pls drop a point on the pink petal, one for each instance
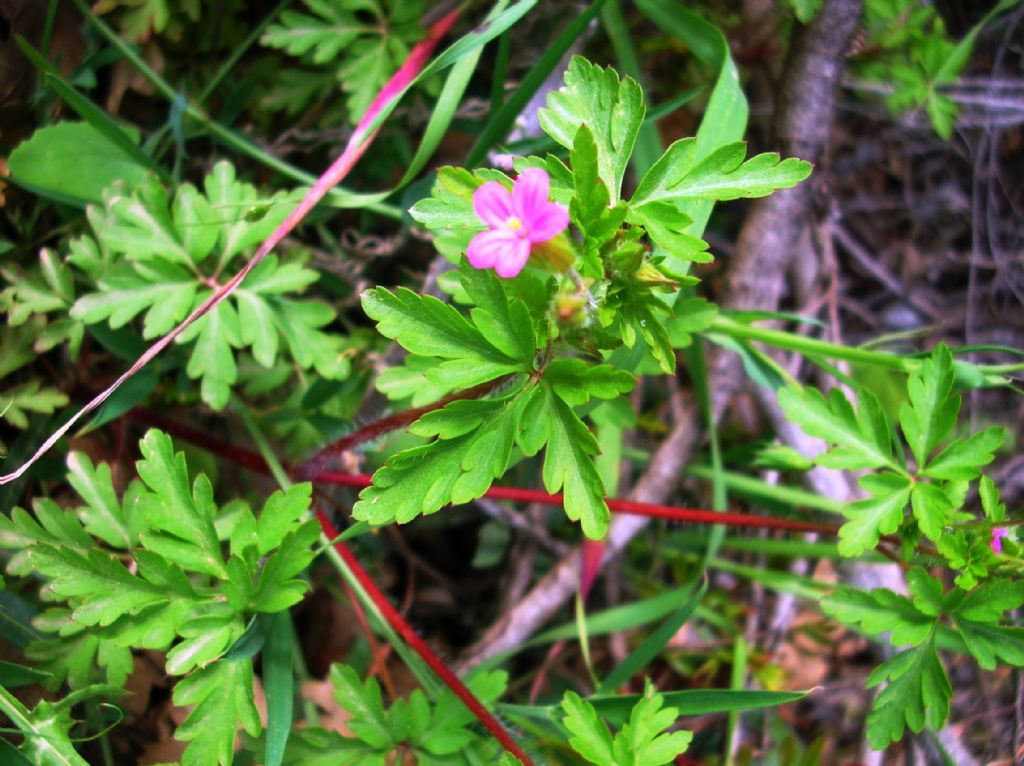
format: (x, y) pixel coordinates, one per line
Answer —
(512, 258)
(998, 533)
(493, 204)
(530, 195)
(489, 247)
(549, 222)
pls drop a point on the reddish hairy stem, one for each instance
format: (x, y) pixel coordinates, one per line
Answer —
(254, 462)
(378, 664)
(425, 652)
(669, 512)
(314, 465)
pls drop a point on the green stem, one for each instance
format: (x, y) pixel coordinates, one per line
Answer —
(42, 747)
(751, 486)
(732, 328)
(810, 346)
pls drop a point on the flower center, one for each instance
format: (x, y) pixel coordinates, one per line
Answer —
(514, 223)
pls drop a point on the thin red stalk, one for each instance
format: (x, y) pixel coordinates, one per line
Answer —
(314, 465)
(419, 645)
(253, 461)
(542, 673)
(377, 665)
(354, 149)
(669, 512)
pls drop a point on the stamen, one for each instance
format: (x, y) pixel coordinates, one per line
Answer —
(514, 223)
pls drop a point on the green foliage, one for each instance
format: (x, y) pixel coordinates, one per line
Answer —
(612, 109)
(363, 41)
(43, 159)
(434, 733)
(934, 486)
(642, 741)
(138, 20)
(473, 440)
(537, 329)
(918, 690)
(160, 259)
(29, 397)
(182, 595)
(909, 52)
(804, 10)
(47, 728)
(678, 175)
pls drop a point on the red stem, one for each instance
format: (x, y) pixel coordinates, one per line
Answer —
(420, 647)
(314, 465)
(254, 462)
(670, 512)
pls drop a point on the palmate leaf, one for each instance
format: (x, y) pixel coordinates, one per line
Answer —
(428, 327)
(505, 323)
(863, 438)
(474, 446)
(642, 741)
(222, 694)
(678, 177)
(880, 514)
(570, 448)
(165, 258)
(590, 735)
(102, 515)
(365, 41)
(106, 589)
(612, 109)
(882, 610)
(182, 516)
(29, 397)
(932, 409)
(964, 458)
(917, 694)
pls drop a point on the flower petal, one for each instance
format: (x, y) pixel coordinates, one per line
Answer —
(493, 204)
(488, 247)
(512, 258)
(549, 222)
(530, 195)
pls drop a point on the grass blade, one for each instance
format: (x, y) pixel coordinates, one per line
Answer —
(279, 683)
(649, 649)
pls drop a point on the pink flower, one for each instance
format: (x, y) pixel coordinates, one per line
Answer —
(517, 221)
(998, 533)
